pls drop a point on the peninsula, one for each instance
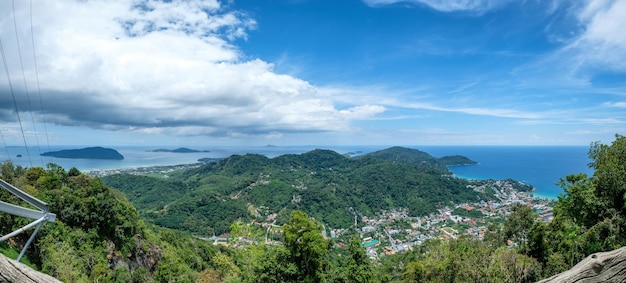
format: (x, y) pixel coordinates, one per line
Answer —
(87, 153)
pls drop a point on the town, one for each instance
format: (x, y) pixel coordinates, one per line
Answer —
(394, 231)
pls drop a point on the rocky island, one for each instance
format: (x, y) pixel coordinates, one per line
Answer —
(87, 153)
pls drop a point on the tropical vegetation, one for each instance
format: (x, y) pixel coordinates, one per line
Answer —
(100, 237)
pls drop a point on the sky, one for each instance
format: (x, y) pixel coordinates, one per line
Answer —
(312, 72)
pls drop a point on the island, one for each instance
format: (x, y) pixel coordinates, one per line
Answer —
(87, 153)
(178, 150)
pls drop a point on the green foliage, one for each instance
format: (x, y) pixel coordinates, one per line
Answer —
(519, 224)
(579, 202)
(98, 236)
(407, 156)
(306, 245)
(323, 183)
(609, 164)
(474, 214)
(359, 268)
(275, 266)
(465, 260)
(147, 193)
(250, 245)
(519, 186)
(589, 216)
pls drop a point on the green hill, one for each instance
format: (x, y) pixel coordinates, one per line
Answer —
(97, 235)
(329, 186)
(410, 156)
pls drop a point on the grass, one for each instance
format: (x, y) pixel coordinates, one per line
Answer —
(12, 253)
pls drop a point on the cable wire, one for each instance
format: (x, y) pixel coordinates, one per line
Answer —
(30, 109)
(5, 147)
(43, 117)
(6, 68)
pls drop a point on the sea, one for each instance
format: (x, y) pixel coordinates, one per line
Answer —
(539, 166)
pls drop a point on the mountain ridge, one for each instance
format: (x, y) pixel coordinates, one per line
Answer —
(330, 186)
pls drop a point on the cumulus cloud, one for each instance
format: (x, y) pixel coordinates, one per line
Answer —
(159, 67)
(478, 6)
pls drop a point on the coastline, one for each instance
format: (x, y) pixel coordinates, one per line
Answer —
(539, 192)
(162, 170)
(539, 166)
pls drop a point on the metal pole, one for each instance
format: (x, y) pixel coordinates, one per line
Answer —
(25, 212)
(30, 240)
(19, 231)
(24, 196)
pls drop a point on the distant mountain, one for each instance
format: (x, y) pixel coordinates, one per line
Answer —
(86, 153)
(402, 155)
(456, 160)
(178, 150)
(327, 185)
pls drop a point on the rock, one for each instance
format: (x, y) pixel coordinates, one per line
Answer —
(13, 271)
(599, 267)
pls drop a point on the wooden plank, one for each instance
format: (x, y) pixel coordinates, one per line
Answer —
(599, 267)
(13, 271)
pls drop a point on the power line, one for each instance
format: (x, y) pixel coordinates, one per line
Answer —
(43, 117)
(5, 146)
(6, 68)
(30, 109)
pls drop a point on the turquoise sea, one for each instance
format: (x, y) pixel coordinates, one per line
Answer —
(540, 166)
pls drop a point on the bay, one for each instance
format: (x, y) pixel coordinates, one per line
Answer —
(539, 166)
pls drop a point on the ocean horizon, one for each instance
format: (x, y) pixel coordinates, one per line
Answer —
(539, 166)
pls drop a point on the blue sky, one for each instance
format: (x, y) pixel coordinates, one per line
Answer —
(293, 72)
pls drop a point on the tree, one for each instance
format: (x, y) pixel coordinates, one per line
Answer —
(359, 267)
(276, 266)
(538, 246)
(250, 245)
(589, 215)
(225, 265)
(307, 247)
(518, 225)
(579, 201)
(609, 164)
(510, 266)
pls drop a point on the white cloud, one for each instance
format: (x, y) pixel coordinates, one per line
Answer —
(620, 104)
(494, 112)
(603, 43)
(163, 67)
(478, 6)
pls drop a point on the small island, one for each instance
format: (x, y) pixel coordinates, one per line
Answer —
(87, 153)
(178, 150)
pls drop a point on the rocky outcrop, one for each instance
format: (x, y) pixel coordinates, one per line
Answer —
(146, 255)
(599, 267)
(13, 271)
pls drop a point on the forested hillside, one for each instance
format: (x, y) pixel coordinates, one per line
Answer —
(99, 237)
(328, 186)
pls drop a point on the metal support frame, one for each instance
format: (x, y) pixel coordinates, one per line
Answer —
(41, 216)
